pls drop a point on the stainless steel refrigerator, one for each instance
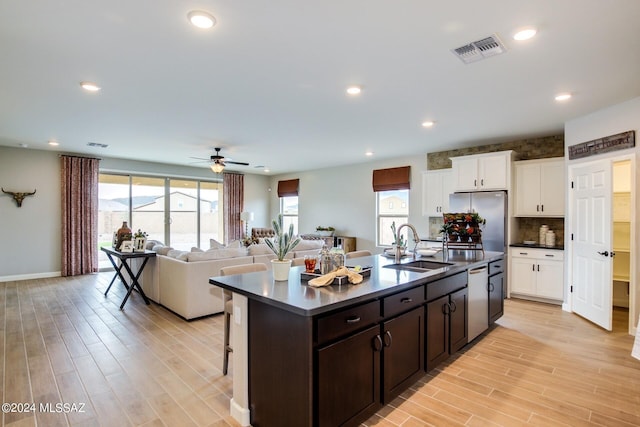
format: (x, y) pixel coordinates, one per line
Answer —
(490, 205)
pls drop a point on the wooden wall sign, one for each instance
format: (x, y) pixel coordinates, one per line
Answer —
(607, 144)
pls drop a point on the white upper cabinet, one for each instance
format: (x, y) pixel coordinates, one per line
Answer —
(436, 187)
(540, 188)
(480, 172)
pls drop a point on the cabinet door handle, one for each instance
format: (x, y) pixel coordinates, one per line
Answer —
(482, 182)
(524, 253)
(533, 267)
(538, 267)
(537, 208)
(377, 343)
(388, 339)
(475, 182)
(446, 308)
(353, 319)
(406, 300)
(541, 208)
(491, 288)
(455, 307)
(549, 255)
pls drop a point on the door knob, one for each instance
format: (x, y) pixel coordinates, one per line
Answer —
(605, 253)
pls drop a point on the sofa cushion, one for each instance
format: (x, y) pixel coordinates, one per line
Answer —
(161, 249)
(151, 243)
(216, 254)
(177, 254)
(194, 249)
(306, 245)
(259, 249)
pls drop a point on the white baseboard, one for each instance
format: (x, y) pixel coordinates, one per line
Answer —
(240, 414)
(30, 276)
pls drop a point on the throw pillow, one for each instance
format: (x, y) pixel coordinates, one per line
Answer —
(259, 249)
(194, 249)
(162, 250)
(214, 244)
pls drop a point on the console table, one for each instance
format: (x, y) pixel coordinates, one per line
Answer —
(112, 254)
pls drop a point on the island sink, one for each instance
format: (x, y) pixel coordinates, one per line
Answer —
(418, 266)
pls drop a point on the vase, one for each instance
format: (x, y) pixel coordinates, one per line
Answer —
(123, 233)
(281, 269)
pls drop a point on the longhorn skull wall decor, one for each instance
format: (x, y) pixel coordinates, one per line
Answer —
(18, 197)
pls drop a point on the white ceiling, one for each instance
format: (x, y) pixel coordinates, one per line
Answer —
(267, 83)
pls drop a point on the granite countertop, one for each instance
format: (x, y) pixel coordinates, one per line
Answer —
(296, 296)
(537, 246)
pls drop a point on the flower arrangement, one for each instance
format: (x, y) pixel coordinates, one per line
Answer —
(140, 234)
(465, 226)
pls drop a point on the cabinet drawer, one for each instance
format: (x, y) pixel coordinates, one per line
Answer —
(402, 301)
(348, 320)
(446, 286)
(496, 267)
(534, 253)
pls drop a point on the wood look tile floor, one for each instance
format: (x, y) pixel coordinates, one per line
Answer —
(64, 342)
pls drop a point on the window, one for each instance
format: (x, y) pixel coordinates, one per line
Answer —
(289, 211)
(178, 212)
(392, 206)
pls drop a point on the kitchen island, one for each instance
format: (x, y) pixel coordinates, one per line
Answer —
(331, 356)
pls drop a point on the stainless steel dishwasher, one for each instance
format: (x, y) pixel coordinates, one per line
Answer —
(478, 301)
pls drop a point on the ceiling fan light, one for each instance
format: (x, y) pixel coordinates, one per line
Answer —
(217, 167)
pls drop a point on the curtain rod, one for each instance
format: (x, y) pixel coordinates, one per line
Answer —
(79, 157)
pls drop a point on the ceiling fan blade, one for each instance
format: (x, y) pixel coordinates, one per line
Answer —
(200, 158)
(236, 163)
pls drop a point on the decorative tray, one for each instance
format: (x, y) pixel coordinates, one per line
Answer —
(339, 280)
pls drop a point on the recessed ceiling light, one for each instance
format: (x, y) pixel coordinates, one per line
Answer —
(266, 170)
(525, 34)
(563, 96)
(369, 153)
(53, 143)
(354, 90)
(201, 19)
(90, 86)
(428, 123)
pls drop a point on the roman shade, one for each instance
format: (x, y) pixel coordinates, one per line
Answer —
(288, 188)
(392, 179)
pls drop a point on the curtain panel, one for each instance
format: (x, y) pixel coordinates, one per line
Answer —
(79, 215)
(392, 179)
(233, 202)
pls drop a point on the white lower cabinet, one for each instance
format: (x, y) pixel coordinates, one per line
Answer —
(537, 272)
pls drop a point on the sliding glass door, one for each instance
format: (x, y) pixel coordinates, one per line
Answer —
(181, 213)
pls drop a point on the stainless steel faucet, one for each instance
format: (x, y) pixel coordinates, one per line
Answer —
(416, 239)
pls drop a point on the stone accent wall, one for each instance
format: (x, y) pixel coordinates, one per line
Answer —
(524, 149)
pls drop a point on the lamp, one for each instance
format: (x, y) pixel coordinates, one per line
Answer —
(217, 167)
(246, 217)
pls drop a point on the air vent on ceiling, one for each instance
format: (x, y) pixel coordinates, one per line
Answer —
(481, 49)
(97, 144)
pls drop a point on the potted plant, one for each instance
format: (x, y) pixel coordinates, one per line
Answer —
(325, 231)
(281, 244)
(398, 241)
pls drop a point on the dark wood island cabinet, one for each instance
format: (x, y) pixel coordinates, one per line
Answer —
(333, 356)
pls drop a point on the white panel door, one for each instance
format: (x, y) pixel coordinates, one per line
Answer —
(592, 245)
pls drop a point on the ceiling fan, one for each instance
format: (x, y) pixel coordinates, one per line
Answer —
(218, 162)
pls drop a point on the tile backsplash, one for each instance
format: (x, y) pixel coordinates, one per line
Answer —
(528, 229)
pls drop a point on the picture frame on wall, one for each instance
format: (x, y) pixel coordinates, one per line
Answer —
(127, 246)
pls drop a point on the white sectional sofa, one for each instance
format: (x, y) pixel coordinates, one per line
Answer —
(179, 280)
